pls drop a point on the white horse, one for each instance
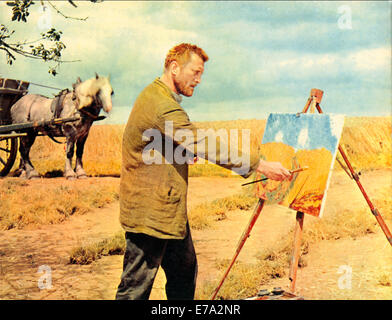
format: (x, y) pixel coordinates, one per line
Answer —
(86, 100)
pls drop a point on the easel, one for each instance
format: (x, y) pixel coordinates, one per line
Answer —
(313, 103)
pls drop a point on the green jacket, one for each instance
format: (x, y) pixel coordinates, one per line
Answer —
(153, 197)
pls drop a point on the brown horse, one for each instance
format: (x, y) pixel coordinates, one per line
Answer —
(86, 100)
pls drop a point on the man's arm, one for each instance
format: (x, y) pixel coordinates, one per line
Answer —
(180, 121)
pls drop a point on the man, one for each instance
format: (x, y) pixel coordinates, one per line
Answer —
(153, 195)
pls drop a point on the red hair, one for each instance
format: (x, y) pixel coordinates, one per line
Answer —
(182, 53)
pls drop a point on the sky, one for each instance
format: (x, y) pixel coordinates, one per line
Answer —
(264, 56)
(307, 132)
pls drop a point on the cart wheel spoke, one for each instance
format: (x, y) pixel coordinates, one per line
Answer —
(5, 150)
(8, 150)
(2, 161)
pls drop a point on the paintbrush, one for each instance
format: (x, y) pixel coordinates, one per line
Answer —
(291, 172)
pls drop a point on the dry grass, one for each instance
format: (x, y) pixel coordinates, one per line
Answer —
(245, 279)
(43, 202)
(89, 253)
(200, 217)
(102, 152)
(385, 279)
(210, 170)
(367, 142)
(103, 147)
(205, 214)
(348, 223)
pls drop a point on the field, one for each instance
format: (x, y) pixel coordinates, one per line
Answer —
(366, 141)
(73, 228)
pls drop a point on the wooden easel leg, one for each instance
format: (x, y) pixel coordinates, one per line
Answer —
(245, 235)
(296, 250)
(373, 209)
(355, 176)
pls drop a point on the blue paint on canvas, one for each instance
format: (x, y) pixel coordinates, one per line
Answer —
(306, 131)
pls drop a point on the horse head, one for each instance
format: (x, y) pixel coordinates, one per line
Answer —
(98, 90)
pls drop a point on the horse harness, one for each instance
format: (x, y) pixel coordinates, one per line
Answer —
(58, 103)
(57, 107)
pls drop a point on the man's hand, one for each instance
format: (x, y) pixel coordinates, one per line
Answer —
(273, 170)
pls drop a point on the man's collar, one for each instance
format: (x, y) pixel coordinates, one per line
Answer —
(175, 96)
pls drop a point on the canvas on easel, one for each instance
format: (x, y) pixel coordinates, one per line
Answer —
(298, 141)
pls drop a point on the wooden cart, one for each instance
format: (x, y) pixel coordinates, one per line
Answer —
(11, 91)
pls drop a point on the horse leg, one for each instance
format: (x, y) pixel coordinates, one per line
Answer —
(70, 134)
(81, 174)
(26, 167)
(21, 171)
(69, 173)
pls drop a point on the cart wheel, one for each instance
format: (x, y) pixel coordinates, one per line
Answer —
(8, 151)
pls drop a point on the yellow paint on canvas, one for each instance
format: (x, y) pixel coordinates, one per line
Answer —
(304, 192)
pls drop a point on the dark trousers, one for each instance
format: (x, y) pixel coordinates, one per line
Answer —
(143, 256)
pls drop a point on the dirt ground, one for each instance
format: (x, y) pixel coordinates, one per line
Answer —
(26, 255)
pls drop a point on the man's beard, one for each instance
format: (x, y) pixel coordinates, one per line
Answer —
(182, 89)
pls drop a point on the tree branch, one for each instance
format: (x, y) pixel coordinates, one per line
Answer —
(38, 49)
(9, 53)
(66, 17)
(71, 2)
(25, 42)
(4, 46)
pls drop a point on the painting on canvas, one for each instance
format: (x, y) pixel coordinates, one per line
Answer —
(298, 141)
